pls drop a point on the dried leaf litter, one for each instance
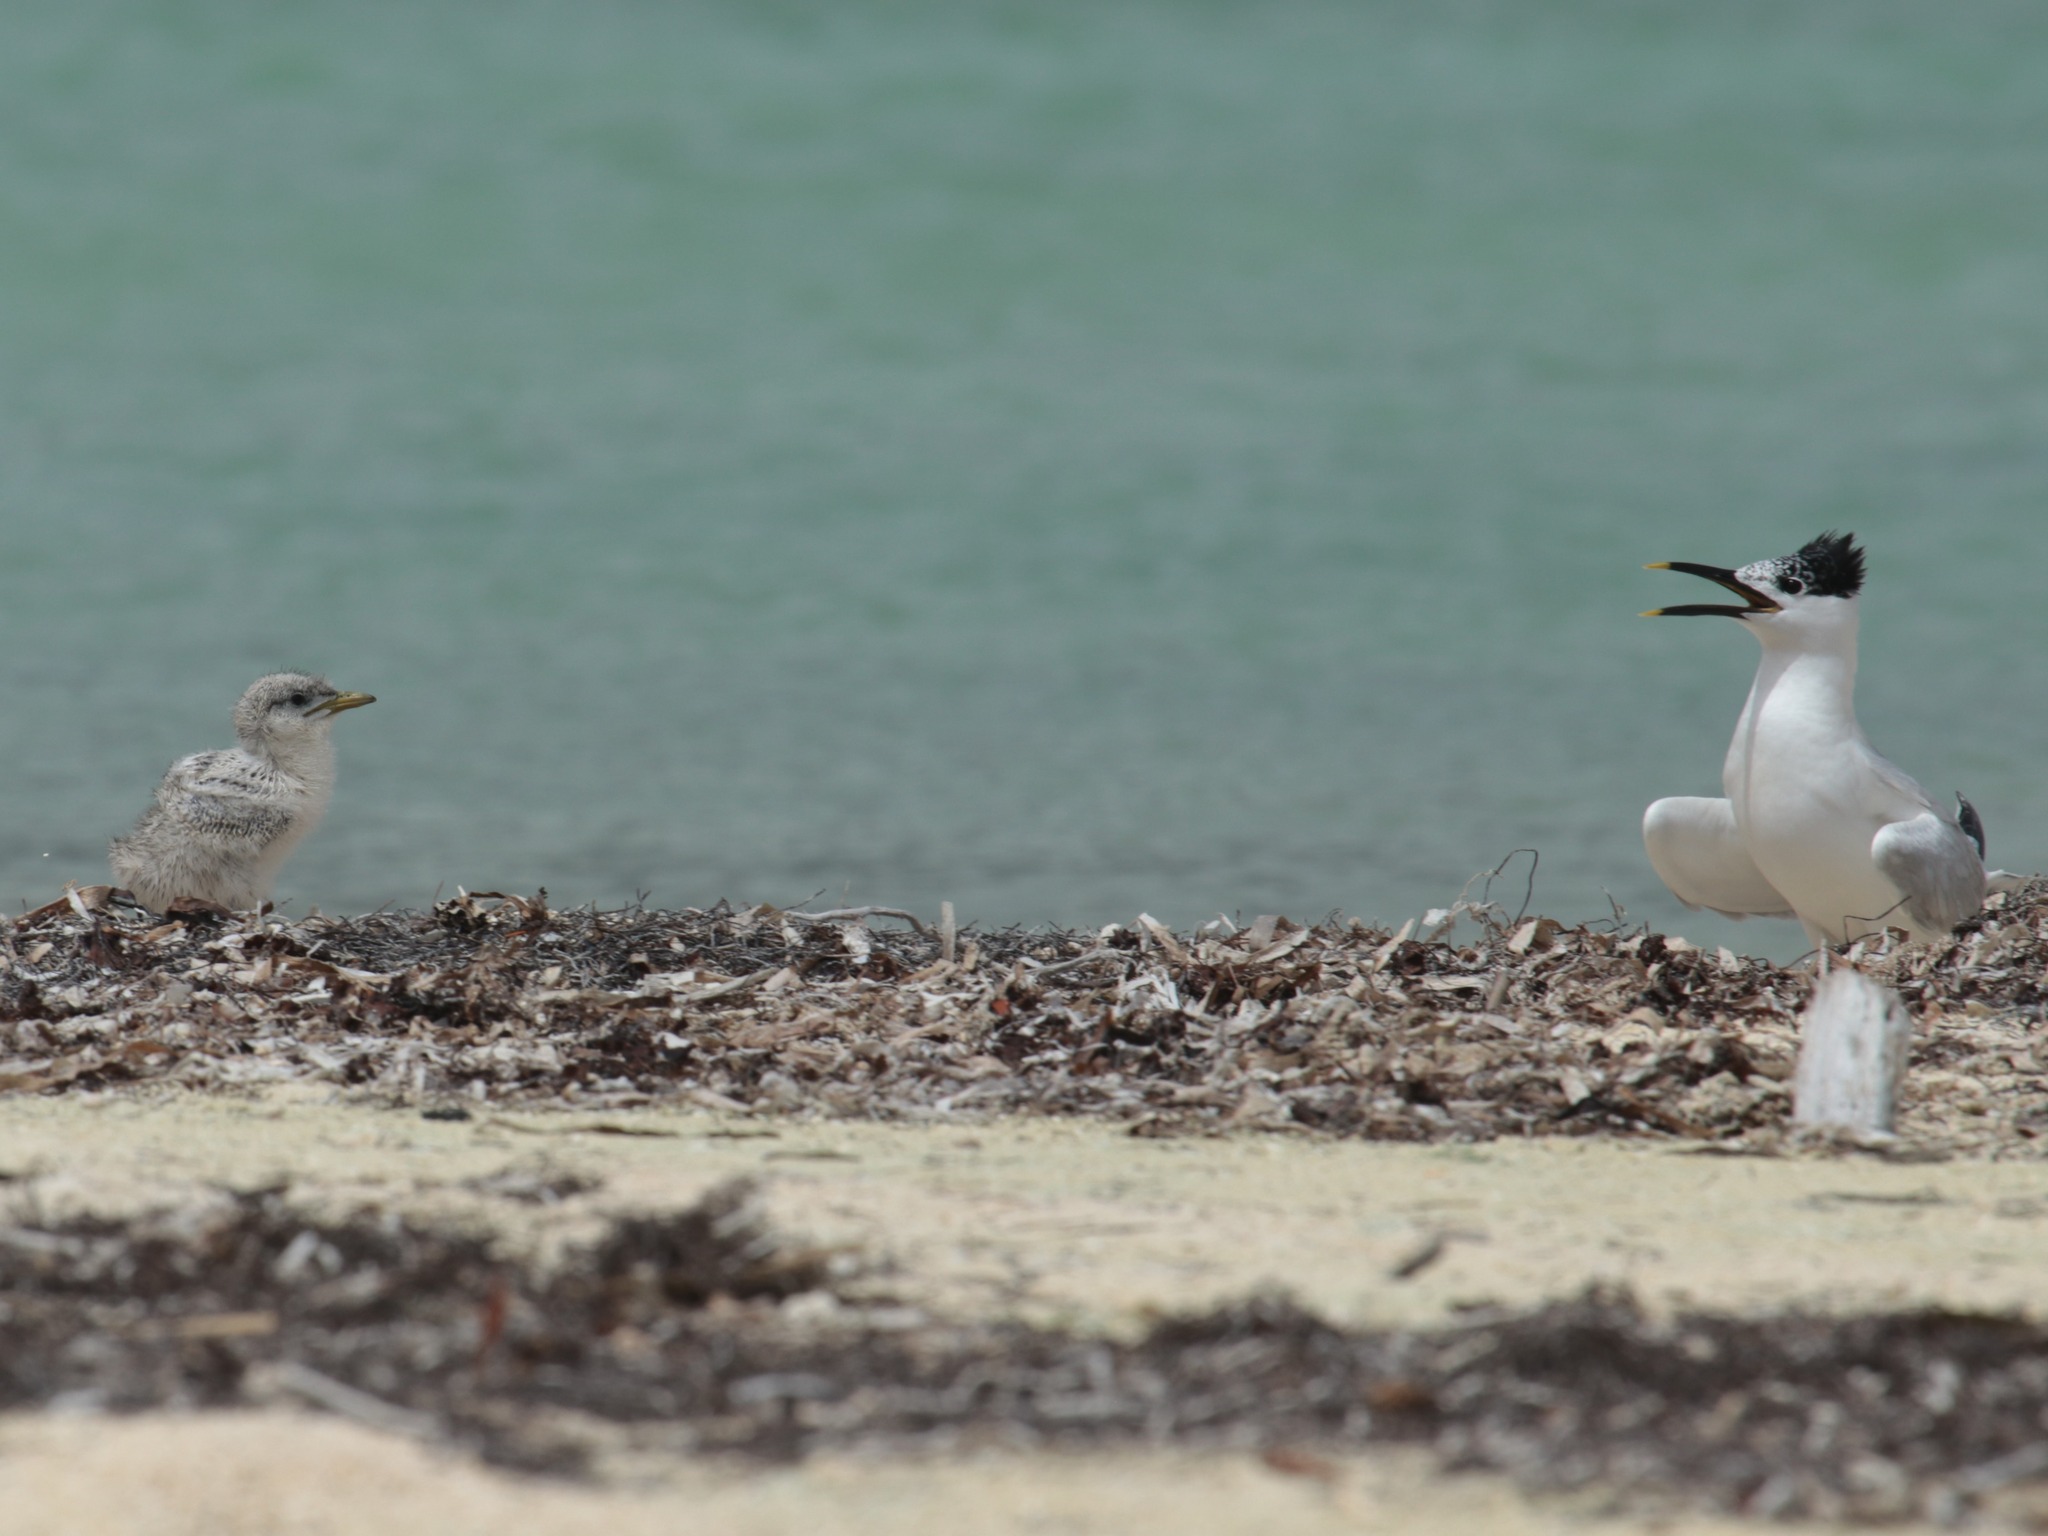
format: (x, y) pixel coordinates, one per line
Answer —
(698, 1332)
(1496, 1027)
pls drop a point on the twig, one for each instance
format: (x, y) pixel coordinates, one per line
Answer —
(853, 914)
(726, 988)
(352, 1402)
(1619, 920)
(1424, 1256)
(1058, 967)
(1528, 892)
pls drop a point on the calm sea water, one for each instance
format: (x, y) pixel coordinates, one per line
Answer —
(1066, 457)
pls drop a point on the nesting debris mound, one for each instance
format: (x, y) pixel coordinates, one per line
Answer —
(1519, 1027)
(699, 1332)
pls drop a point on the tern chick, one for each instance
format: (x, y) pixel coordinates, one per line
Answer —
(1815, 825)
(225, 822)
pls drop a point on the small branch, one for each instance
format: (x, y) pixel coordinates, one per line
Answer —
(1058, 967)
(351, 1402)
(727, 988)
(857, 914)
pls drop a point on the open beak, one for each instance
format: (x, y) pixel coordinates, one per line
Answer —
(1755, 602)
(341, 701)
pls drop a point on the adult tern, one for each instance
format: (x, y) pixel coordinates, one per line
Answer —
(1815, 824)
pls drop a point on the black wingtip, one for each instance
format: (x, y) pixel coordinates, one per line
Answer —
(1971, 823)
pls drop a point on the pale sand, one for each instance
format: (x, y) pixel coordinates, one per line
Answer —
(283, 1474)
(1079, 1224)
(1060, 1222)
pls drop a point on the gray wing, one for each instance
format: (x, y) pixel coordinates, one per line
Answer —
(1935, 866)
(1695, 849)
(1895, 776)
(222, 794)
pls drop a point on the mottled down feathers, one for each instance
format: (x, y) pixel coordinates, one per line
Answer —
(224, 822)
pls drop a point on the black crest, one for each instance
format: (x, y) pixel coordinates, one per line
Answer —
(1830, 566)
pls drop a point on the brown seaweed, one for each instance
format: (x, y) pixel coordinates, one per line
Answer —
(1495, 1028)
(701, 1332)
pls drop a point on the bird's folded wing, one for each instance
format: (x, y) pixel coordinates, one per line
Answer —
(1911, 798)
(1695, 849)
(1935, 867)
(214, 792)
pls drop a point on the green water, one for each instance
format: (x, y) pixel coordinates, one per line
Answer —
(1065, 457)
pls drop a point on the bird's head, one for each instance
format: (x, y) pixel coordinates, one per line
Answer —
(1804, 598)
(286, 708)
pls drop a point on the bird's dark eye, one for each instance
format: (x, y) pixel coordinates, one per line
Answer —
(1793, 585)
(299, 701)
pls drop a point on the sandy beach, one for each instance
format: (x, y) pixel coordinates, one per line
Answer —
(278, 1162)
(1070, 1224)
(246, 1474)
(1062, 1224)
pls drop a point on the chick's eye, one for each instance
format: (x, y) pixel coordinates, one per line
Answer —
(299, 701)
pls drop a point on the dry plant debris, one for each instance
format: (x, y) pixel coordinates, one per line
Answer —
(699, 1332)
(1492, 1027)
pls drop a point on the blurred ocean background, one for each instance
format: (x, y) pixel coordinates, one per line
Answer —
(1067, 457)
